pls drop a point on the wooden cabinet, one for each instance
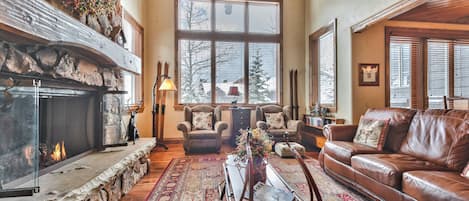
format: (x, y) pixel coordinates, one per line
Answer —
(312, 137)
(240, 119)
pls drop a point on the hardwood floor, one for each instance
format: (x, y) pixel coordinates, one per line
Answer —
(159, 161)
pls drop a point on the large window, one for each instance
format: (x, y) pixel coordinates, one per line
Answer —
(223, 44)
(425, 66)
(323, 67)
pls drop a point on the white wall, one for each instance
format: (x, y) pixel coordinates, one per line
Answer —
(135, 8)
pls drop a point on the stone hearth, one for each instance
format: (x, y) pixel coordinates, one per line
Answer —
(99, 176)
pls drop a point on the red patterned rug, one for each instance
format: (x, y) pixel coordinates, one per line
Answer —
(196, 178)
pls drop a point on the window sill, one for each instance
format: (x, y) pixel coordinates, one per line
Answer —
(138, 108)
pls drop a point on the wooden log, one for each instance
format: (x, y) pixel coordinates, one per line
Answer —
(38, 21)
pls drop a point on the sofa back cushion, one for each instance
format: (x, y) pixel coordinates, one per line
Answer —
(399, 121)
(439, 136)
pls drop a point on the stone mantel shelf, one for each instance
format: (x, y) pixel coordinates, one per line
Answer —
(39, 22)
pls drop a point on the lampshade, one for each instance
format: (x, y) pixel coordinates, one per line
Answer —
(167, 85)
(233, 91)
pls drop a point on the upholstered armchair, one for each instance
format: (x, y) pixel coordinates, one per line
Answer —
(292, 127)
(205, 138)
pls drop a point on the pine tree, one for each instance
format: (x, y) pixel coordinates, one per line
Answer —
(258, 92)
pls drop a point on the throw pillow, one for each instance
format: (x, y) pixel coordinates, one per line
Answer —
(202, 120)
(275, 120)
(465, 172)
(372, 132)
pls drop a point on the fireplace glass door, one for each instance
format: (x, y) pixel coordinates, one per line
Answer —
(19, 101)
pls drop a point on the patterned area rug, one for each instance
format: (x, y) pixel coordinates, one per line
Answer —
(196, 178)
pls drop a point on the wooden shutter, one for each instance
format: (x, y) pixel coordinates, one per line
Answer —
(438, 62)
(461, 69)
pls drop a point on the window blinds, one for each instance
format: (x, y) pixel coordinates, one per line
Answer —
(437, 72)
(400, 61)
(461, 68)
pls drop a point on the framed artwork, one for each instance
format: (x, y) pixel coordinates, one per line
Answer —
(368, 75)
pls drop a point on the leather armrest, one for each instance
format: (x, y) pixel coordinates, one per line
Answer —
(185, 127)
(220, 126)
(262, 125)
(340, 132)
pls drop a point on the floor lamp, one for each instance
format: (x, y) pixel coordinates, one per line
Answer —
(166, 85)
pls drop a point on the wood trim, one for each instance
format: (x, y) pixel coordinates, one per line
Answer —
(428, 33)
(388, 13)
(420, 74)
(387, 73)
(451, 70)
(245, 37)
(314, 65)
(280, 74)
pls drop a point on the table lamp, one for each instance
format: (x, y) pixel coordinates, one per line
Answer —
(233, 92)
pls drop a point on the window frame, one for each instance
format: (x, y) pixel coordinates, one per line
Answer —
(419, 66)
(137, 27)
(219, 36)
(314, 52)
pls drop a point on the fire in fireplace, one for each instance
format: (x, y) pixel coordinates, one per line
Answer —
(51, 156)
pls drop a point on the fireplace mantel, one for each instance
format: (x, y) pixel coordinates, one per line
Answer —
(36, 21)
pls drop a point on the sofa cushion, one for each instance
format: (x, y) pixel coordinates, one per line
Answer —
(388, 168)
(435, 185)
(371, 132)
(202, 120)
(275, 120)
(203, 134)
(439, 136)
(343, 151)
(399, 121)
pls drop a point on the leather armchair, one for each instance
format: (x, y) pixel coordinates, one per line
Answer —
(293, 127)
(202, 139)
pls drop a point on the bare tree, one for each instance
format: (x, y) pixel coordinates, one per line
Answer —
(196, 55)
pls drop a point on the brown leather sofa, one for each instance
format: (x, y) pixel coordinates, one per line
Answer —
(423, 156)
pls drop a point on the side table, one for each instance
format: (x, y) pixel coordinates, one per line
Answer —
(240, 119)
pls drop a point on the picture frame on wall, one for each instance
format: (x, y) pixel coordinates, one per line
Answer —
(368, 74)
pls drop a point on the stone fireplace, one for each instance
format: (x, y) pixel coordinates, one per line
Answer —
(61, 105)
(79, 107)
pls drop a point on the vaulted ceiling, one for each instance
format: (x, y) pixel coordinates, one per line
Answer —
(440, 11)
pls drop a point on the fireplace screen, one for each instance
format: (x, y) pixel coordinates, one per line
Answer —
(18, 136)
(67, 124)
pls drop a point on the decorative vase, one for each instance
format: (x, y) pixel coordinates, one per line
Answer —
(260, 174)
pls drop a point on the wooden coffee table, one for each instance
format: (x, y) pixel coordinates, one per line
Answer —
(232, 186)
